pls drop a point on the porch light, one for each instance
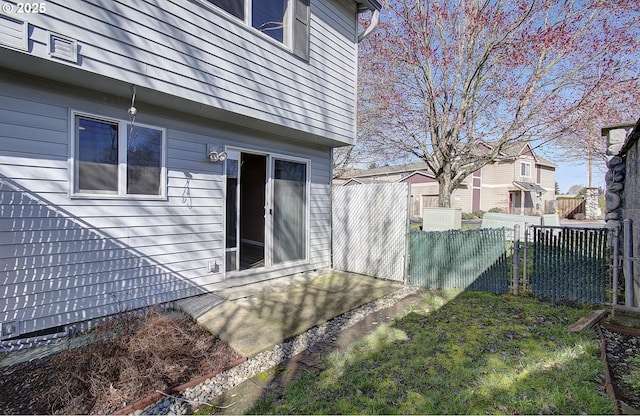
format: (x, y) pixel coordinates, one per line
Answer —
(216, 154)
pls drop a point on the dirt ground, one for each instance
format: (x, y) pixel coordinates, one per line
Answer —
(155, 352)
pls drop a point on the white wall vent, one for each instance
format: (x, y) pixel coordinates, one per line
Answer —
(14, 33)
(62, 47)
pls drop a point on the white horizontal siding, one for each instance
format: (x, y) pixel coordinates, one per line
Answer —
(66, 259)
(185, 49)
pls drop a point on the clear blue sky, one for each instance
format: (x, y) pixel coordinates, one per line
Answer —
(575, 173)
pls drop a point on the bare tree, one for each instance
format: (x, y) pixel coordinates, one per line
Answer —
(620, 103)
(457, 82)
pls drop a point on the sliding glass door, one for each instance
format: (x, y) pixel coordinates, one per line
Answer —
(289, 221)
(266, 219)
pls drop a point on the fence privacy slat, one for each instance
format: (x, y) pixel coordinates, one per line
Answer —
(570, 266)
(472, 259)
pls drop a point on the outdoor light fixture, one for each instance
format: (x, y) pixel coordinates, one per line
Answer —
(216, 154)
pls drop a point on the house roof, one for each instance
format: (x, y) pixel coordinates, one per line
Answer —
(418, 173)
(369, 4)
(516, 149)
(361, 181)
(511, 151)
(385, 170)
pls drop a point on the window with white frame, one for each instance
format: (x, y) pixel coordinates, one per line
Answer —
(286, 21)
(113, 158)
(525, 170)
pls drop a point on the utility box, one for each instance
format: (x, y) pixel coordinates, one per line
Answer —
(551, 219)
(441, 219)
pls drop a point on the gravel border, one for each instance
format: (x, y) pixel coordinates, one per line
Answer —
(184, 402)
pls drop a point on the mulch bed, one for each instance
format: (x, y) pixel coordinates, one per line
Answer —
(131, 358)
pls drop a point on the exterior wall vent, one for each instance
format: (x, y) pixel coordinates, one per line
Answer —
(14, 33)
(8, 329)
(62, 47)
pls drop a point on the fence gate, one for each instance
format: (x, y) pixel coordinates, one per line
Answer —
(570, 264)
(370, 229)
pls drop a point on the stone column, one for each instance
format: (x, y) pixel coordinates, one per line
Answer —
(614, 180)
(592, 209)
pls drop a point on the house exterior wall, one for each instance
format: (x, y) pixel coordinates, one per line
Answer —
(67, 259)
(496, 196)
(498, 173)
(187, 56)
(548, 182)
(462, 198)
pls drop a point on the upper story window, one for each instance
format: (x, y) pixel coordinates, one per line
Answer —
(111, 159)
(525, 170)
(286, 21)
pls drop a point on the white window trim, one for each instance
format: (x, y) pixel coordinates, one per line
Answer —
(287, 41)
(74, 193)
(522, 164)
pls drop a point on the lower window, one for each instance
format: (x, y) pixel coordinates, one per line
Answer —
(116, 158)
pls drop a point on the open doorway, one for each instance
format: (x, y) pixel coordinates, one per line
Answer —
(253, 174)
(245, 211)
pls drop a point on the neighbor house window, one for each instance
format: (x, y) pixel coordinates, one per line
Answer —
(286, 21)
(113, 158)
(525, 170)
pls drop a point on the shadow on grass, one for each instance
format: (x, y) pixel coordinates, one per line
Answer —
(479, 353)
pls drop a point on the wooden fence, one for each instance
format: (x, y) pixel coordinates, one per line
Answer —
(569, 208)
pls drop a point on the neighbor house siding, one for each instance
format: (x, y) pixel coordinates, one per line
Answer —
(498, 173)
(183, 48)
(66, 259)
(495, 197)
(462, 198)
(548, 180)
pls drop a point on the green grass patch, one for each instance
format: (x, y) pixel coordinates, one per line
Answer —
(633, 377)
(460, 353)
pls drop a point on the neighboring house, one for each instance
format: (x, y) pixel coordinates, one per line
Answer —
(519, 182)
(156, 150)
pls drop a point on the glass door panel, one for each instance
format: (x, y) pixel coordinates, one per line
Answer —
(289, 220)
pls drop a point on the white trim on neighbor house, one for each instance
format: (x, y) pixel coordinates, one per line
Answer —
(122, 146)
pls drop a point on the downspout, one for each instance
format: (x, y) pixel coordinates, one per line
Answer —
(375, 18)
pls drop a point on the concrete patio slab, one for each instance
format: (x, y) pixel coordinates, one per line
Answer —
(270, 314)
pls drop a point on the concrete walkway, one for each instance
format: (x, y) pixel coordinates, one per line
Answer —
(256, 317)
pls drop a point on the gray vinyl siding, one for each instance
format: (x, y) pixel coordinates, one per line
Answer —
(64, 260)
(185, 49)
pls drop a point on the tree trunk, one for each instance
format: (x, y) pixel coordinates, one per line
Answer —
(445, 190)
